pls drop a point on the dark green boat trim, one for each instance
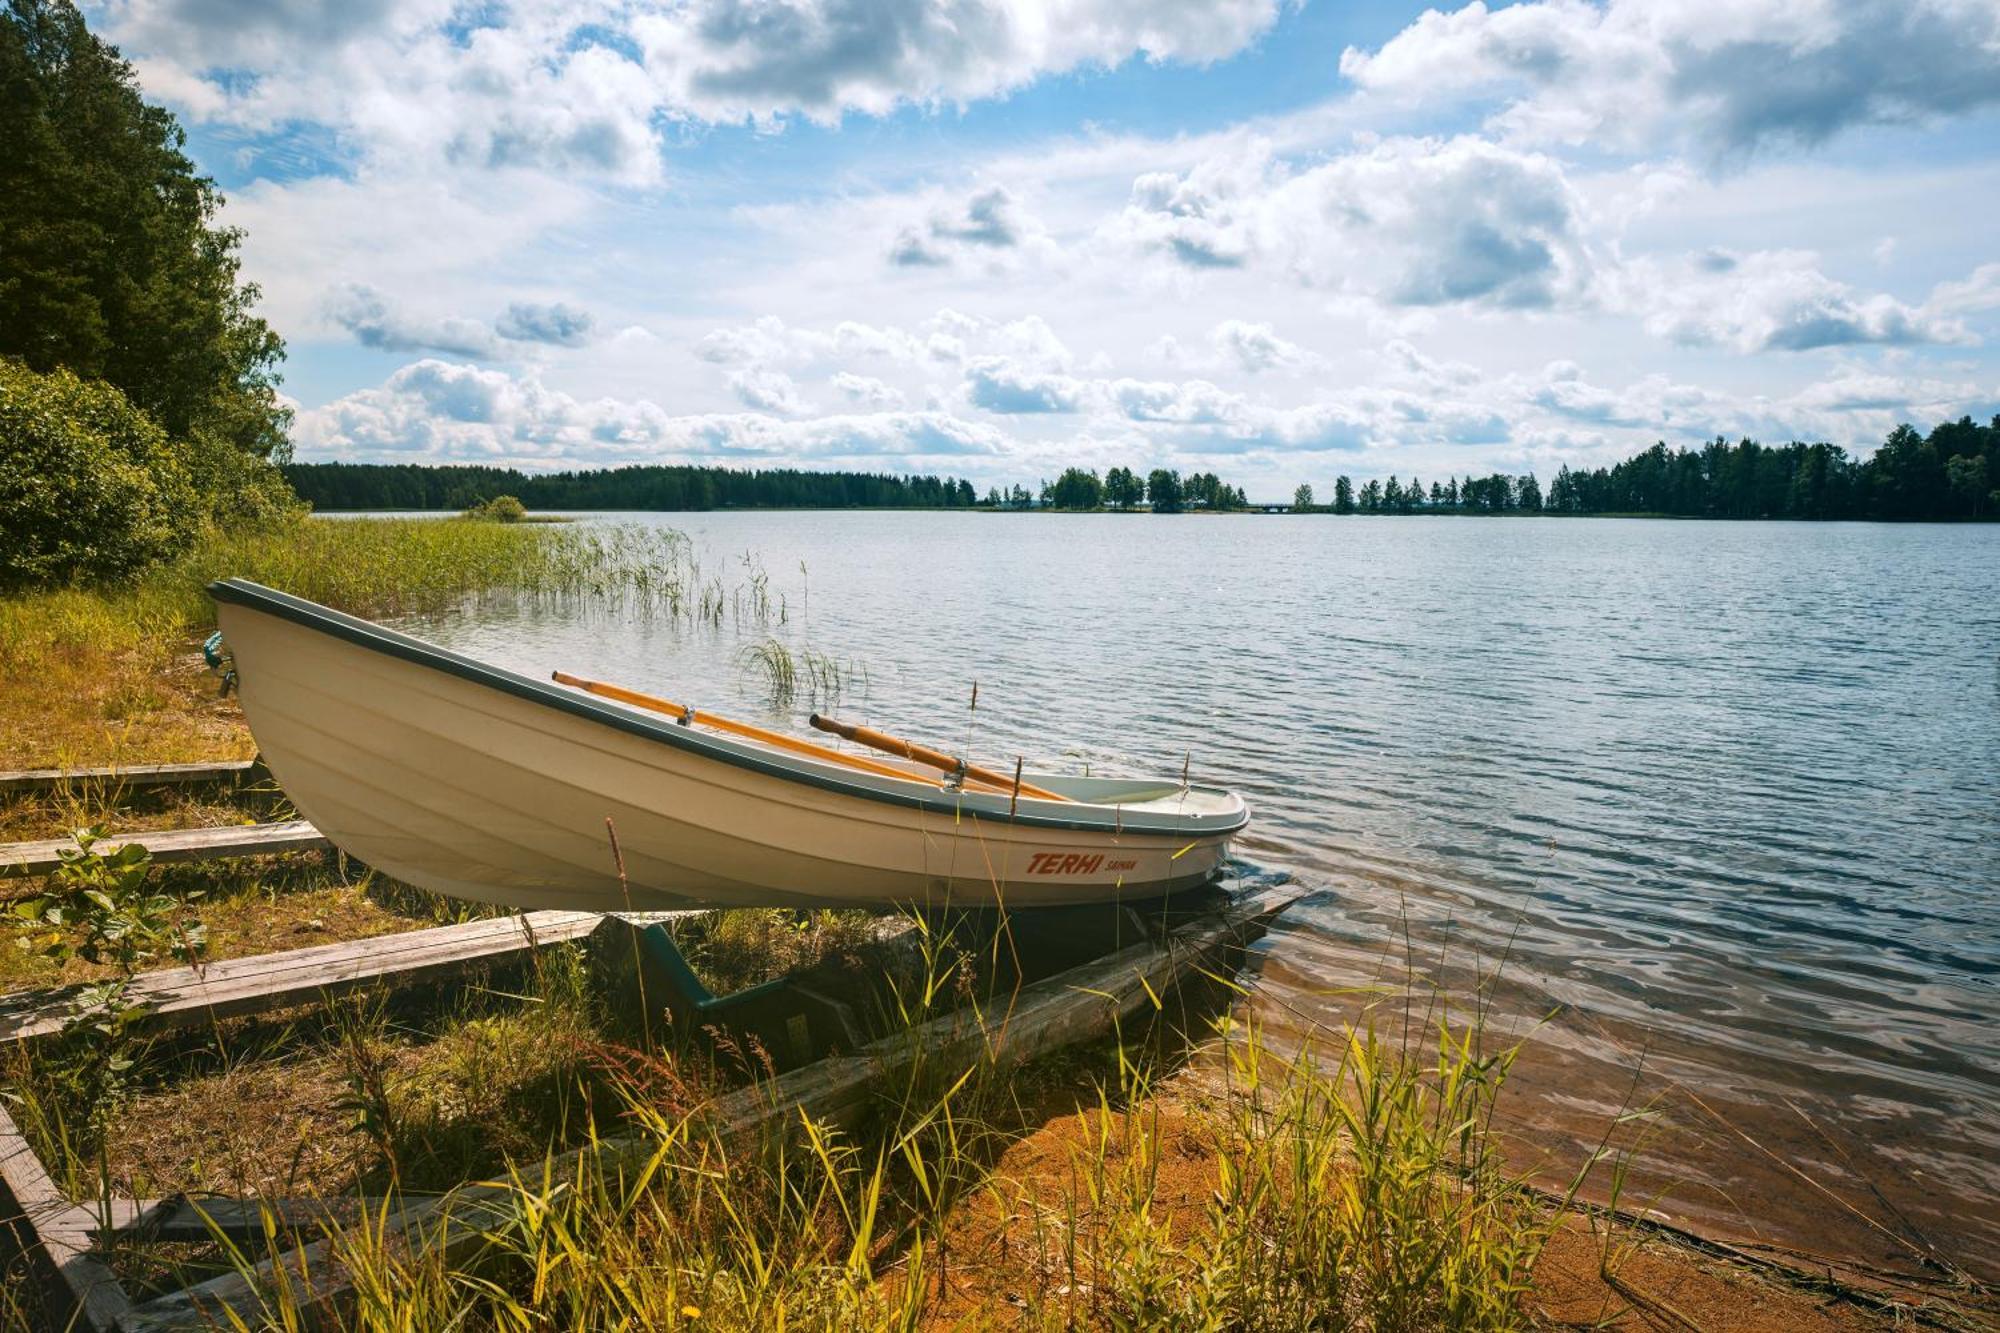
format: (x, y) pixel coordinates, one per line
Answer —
(391, 643)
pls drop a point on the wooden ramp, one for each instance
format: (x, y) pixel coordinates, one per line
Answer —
(1078, 1005)
(17, 781)
(192, 844)
(183, 995)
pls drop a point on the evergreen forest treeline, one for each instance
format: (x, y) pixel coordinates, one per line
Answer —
(644, 487)
(1951, 473)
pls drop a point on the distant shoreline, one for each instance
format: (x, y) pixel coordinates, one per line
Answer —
(1250, 511)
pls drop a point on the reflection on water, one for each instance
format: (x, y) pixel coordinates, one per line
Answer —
(1723, 795)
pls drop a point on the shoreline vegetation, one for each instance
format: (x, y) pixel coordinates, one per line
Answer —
(1178, 1177)
(1951, 474)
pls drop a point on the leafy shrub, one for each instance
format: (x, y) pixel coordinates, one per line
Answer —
(237, 489)
(94, 491)
(104, 897)
(500, 509)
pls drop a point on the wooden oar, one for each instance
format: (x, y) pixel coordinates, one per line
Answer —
(772, 738)
(923, 754)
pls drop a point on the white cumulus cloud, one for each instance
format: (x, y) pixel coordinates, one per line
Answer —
(867, 390)
(1724, 78)
(1256, 347)
(1771, 300)
(1414, 222)
(768, 391)
(725, 60)
(435, 410)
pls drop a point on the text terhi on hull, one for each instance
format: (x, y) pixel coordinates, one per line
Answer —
(484, 784)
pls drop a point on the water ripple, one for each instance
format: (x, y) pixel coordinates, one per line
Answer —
(1725, 793)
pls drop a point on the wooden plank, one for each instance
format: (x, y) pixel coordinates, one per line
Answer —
(17, 781)
(194, 844)
(187, 1219)
(1062, 1010)
(41, 1225)
(181, 996)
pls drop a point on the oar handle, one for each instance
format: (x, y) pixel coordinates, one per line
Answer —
(683, 713)
(923, 754)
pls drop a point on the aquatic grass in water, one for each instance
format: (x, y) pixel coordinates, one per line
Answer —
(779, 670)
(786, 674)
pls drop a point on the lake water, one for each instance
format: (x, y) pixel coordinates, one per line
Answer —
(1725, 796)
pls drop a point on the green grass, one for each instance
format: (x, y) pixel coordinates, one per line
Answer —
(736, 949)
(1365, 1191)
(112, 674)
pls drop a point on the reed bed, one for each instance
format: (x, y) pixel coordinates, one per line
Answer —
(112, 673)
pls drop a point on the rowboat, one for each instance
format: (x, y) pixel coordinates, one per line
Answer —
(484, 784)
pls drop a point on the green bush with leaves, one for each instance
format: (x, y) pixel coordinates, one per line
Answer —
(500, 509)
(93, 490)
(100, 907)
(236, 489)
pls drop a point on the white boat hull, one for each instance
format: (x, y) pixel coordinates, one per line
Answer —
(485, 785)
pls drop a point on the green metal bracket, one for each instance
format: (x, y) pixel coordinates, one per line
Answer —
(790, 1020)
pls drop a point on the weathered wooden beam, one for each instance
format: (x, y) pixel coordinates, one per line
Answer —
(177, 997)
(41, 1225)
(193, 844)
(182, 1218)
(17, 781)
(1069, 1007)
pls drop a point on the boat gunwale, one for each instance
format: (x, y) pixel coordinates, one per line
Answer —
(393, 643)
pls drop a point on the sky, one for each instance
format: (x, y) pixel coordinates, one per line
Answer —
(1278, 241)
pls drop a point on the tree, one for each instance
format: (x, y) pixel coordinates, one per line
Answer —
(1343, 496)
(500, 509)
(1528, 493)
(1163, 490)
(1205, 490)
(1967, 476)
(111, 264)
(1122, 489)
(1371, 498)
(1392, 495)
(1302, 499)
(1076, 489)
